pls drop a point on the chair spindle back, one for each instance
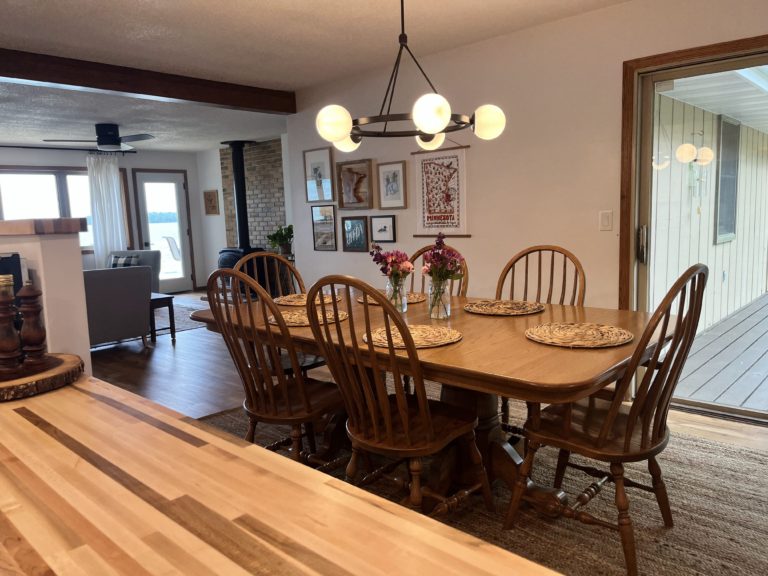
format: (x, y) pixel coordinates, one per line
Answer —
(674, 323)
(359, 368)
(273, 271)
(457, 287)
(547, 274)
(239, 304)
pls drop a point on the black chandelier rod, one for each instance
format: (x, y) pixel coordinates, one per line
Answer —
(389, 94)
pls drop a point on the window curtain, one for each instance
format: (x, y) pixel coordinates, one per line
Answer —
(106, 206)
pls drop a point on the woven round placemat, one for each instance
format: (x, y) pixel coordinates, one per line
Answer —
(299, 317)
(424, 336)
(503, 307)
(579, 335)
(413, 298)
(301, 299)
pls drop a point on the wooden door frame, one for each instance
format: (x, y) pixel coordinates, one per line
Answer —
(189, 216)
(630, 132)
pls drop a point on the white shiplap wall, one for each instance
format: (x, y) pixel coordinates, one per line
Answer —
(683, 212)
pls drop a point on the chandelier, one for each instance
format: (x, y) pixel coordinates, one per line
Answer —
(431, 116)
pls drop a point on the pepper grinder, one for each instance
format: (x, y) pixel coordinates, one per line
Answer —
(10, 345)
(32, 330)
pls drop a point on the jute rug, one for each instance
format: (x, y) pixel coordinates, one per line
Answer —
(718, 493)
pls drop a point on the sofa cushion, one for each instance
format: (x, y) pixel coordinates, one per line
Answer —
(124, 261)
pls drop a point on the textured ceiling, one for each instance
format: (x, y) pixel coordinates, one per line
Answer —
(280, 44)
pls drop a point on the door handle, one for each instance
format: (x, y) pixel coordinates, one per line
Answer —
(642, 244)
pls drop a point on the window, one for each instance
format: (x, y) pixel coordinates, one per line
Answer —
(727, 180)
(46, 193)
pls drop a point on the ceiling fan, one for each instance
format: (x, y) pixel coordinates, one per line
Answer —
(108, 139)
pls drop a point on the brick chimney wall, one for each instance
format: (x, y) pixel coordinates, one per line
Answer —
(265, 194)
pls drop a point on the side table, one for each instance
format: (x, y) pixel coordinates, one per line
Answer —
(161, 301)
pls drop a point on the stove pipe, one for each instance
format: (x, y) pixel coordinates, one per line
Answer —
(241, 206)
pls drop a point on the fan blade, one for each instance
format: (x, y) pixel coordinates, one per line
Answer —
(49, 140)
(136, 137)
(125, 147)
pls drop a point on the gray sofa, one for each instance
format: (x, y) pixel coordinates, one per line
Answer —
(117, 300)
(149, 258)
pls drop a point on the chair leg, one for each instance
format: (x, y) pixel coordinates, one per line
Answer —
(660, 489)
(414, 467)
(504, 410)
(309, 429)
(296, 442)
(351, 471)
(562, 463)
(625, 522)
(251, 430)
(477, 463)
(521, 485)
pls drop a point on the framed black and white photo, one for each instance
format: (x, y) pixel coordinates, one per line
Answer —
(318, 174)
(324, 227)
(383, 229)
(354, 234)
(392, 185)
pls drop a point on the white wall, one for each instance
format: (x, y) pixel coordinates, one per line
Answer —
(558, 163)
(165, 160)
(214, 232)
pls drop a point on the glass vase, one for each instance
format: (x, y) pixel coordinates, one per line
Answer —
(396, 293)
(439, 300)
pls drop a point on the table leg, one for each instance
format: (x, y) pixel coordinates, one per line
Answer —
(500, 458)
(152, 330)
(172, 319)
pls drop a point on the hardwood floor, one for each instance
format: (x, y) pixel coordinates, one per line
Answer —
(197, 377)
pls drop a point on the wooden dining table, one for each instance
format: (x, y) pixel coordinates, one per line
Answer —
(495, 358)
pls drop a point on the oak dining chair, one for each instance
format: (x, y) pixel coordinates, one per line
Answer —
(456, 287)
(383, 419)
(279, 277)
(277, 390)
(604, 428)
(547, 274)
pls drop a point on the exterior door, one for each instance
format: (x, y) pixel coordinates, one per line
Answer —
(162, 205)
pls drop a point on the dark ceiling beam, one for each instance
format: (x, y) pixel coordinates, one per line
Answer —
(54, 71)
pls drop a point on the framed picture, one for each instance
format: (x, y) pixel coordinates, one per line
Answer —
(383, 229)
(353, 181)
(442, 202)
(324, 227)
(318, 174)
(211, 202)
(392, 185)
(354, 234)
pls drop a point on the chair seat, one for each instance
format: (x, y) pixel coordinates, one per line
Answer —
(587, 418)
(449, 423)
(325, 397)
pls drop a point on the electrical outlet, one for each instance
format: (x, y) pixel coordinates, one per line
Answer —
(605, 220)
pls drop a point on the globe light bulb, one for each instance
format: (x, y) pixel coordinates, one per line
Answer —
(431, 113)
(347, 145)
(333, 123)
(705, 156)
(489, 122)
(685, 153)
(433, 144)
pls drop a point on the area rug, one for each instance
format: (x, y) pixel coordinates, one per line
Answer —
(718, 493)
(181, 314)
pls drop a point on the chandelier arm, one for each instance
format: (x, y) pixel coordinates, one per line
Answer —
(392, 78)
(394, 84)
(459, 122)
(421, 69)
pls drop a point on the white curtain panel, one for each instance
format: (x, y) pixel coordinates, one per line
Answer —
(106, 206)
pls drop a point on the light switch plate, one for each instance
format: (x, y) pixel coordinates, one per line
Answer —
(605, 220)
